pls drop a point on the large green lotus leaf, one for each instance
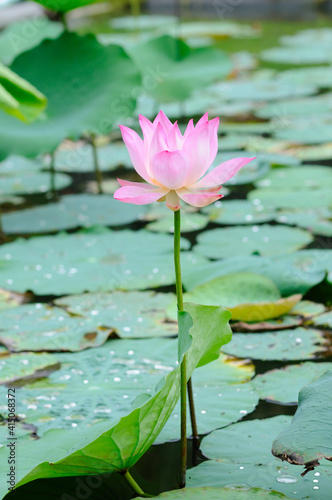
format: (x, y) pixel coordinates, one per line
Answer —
(172, 70)
(306, 198)
(118, 445)
(250, 297)
(318, 76)
(32, 182)
(294, 273)
(38, 327)
(281, 323)
(323, 320)
(73, 210)
(245, 240)
(88, 90)
(67, 5)
(130, 314)
(284, 478)
(298, 55)
(259, 90)
(238, 212)
(24, 35)
(317, 221)
(24, 365)
(18, 97)
(283, 385)
(283, 345)
(306, 176)
(243, 459)
(80, 159)
(232, 493)
(306, 106)
(308, 438)
(19, 165)
(92, 260)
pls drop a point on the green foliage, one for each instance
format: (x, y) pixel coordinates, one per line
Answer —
(65, 5)
(171, 70)
(84, 91)
(18, 97)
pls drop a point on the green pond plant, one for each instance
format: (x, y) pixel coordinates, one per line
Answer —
(174, 167)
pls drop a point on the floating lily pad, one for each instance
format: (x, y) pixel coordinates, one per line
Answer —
(242, 458)
(293, 273)
(306, 198)
(318, 76)
(250, 297)
(81, 92)
(232, 493)
(238, 212)
(214, 29)
(298, 55)
(323, 320)
(275, 385)
(260, 90)
(80, 159)
(73, 210)
(189, 223)
(245, 240)
(307, 309)
(281, 477)
(317, 221)
(312, 153)
(142, 22)
(97, 384)
(297, 344)
(131, 314)
(15, 165)
(180, 69)
(312, 36)
(313, 130)
(307, 440)
(283, 322)
(37, 327)
(32, 182)
(20, 366)
(306, 176)
(306, 106)
(92, 260)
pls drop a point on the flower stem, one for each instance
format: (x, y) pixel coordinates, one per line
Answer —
(183, 459)
(132, 483)
(99, 177)
(52, 177)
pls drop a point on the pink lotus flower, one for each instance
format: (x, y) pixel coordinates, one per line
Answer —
(173, 165)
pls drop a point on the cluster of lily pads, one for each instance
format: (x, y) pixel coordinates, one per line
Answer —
(88, 310)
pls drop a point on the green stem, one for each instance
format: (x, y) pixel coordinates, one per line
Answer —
(132, 483)
(64, 21)
(193, 421)
(99, 177)
(52, 177)
(179, 295)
